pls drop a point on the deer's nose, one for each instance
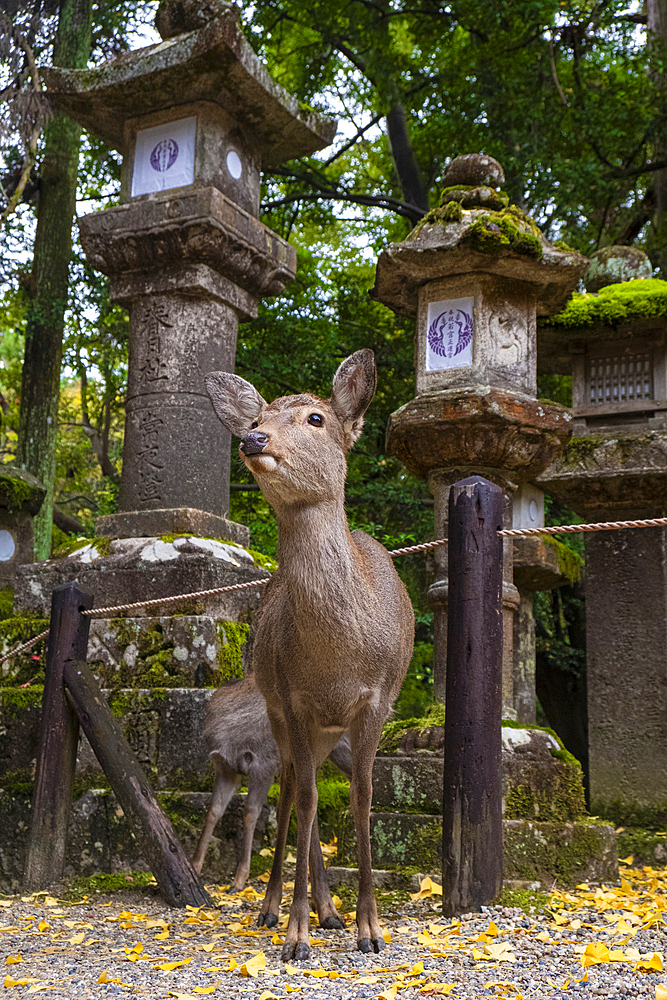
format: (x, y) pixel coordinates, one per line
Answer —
(254, 443)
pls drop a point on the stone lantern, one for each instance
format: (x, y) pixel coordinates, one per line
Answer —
(614, 343)
(21, 496)
(196, 118)
(476, 272)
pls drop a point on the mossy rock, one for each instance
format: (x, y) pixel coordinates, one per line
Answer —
(20, 490)
(27, 667)
(613, 306)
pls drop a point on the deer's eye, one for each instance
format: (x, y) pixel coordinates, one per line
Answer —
(316, 420)
(253, 425)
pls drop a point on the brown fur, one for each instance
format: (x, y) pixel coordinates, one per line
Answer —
(335, 630)
(238, 736)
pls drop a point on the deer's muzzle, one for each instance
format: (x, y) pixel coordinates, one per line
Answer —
(254, 443)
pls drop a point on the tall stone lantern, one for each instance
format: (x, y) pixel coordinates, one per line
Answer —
(476, 272)
(196, 118)
(613, 341)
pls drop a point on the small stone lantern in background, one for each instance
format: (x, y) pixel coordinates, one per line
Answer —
(196, 117)
(614, 344)
(476, 272)
(21, 496)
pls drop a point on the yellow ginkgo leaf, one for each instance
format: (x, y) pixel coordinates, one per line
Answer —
(595, 954)
(438, 988)
(77, 938)
(42, 926)
(389, 994)
(268, 995)
(660, 992)
(652, 964)
(205, 989)
(207, 947)
(13, 959)
(231, 965)
(104, 978)
(10, 981)
(386, 936)
(253, 966)
(492, 929)
(170, 966)
(626, 861)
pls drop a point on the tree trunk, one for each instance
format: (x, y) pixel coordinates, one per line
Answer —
(40, 385)
(657, 46)
(415, 192)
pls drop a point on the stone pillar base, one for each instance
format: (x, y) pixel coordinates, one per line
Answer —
(171, 521)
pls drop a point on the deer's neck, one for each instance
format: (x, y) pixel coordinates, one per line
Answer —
(316, 554)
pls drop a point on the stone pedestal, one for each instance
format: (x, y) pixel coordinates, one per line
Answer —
(536, 567)
(476, 272)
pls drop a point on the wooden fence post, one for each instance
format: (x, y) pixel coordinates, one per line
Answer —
(59, 733)
(178, 881)
(472, 853)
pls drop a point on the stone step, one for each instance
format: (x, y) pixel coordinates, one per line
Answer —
(100, 839)
(561, 853)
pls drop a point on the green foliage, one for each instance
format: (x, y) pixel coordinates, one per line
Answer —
(613, 305)
(6, 603)
(417, 691)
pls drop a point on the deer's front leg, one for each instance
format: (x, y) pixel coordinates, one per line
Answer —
(297, 943)
(365, 736)
(268, 915)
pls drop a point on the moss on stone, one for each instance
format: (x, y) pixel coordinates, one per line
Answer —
(496, 232)
(15, 700)
(559, 802)
(106, 883)
(102, 544)
(231, 637)
(563, 246)
(613, 305)
(6, 603)
(632, 814)
(541, 851)
(570, 562)
(26, 667)
(264, 562)
(476, 196)
(532, 902)
(15, 492)
(581, 448)
(647, 847)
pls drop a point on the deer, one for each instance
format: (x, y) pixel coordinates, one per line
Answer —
(334, 629)
(240, 742)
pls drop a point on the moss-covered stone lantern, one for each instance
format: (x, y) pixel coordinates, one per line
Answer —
(614, 343)
(21, 496)
(476, 272)
(196, 117)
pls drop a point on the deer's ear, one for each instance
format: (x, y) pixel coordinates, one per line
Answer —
(235, 401)
(353, 389)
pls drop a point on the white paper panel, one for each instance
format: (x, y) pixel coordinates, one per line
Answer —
(164, 157)
(449, 331)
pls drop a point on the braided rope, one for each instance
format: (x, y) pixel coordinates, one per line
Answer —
(26, 645)
(156, 601)
(561, 529)
(571, 529)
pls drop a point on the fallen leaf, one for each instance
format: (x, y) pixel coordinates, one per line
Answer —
(104, 978)
(13, 959)
(77, 938)
(254, 966)
(170, 966)
(389, 994)
(652, 964)
(9, 982)
(660, 992)
(43, 926)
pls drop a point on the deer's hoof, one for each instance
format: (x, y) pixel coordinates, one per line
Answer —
(295, 951)
(267, 919)
(367, 945)
(332, 924)
(232, 889)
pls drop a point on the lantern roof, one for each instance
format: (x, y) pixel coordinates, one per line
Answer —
(214, 63)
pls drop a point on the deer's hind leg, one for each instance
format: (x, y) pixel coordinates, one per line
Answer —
(365, 736)
(258, 790)
(226, 780)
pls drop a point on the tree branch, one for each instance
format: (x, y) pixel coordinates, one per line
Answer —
(30, 157)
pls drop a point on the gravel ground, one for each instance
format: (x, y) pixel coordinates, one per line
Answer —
(104, 946)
